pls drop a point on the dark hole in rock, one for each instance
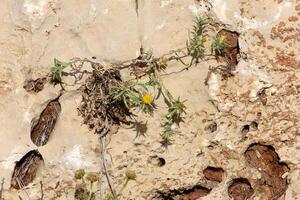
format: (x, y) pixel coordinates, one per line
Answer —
(158, 161)
(213, 173)
(232, 48)
(265, 159)
(262, 96)
(36, 85)
(192, 193)
(212, 127)
(240, 189)
(42, 130)
(254, 125)
(26, 169)
(162, 162)
(245, 129)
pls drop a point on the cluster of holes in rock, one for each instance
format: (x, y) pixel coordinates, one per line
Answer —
(27, 168)
(213, 174)
(273, 183)
(247, 127)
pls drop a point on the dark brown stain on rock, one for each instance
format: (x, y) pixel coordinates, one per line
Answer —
(265, 159)
(42, 130)
(213, 174)
(240, 189)
(36, 85)
(232, 48)
(26, 169)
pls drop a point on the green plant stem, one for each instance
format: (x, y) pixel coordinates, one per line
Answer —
(91, 191)
(123, 187)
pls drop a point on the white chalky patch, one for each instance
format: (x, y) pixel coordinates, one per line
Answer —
(35, 8)
(159, 27)
(197, 10)
(93, 8)
(76, 159)
(15, 155)
(220, 7)
(164, 3)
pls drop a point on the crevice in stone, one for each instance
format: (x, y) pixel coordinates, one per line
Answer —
(192, 193)
(213, 173)
(240, 189)
(26, 169)
(273, 180)
(42, 130)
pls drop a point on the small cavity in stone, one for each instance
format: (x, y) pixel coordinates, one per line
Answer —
(157, 161)
(26, 169)
(265, 159)
(240, 189)
(192, 193)
(42, 130)
(245, 129)
(213, 173)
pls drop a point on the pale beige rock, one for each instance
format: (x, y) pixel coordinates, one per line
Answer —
(34, 32)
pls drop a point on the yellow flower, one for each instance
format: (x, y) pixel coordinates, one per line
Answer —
(147, 99)
(222, 39)
(182, 106)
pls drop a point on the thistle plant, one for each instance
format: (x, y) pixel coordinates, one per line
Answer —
(135, 94)
(219, 45)
(199, 25)
(175, 114)
(195, 45)
(57, 70)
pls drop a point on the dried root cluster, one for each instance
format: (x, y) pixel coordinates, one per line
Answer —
(100, 111)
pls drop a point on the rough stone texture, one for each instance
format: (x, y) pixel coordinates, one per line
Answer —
(264, 89)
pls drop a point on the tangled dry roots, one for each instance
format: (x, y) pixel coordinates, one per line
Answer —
(98, 108)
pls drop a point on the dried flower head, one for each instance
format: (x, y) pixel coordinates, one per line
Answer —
(79, 174)
(92, 177)
(130, 174)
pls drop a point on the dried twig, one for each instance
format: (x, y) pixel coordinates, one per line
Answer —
(1, 189)
(102, 152)
(42, 191)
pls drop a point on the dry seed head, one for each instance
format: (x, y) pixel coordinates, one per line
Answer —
(79, 174)
(92, 177)
(130, 174)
